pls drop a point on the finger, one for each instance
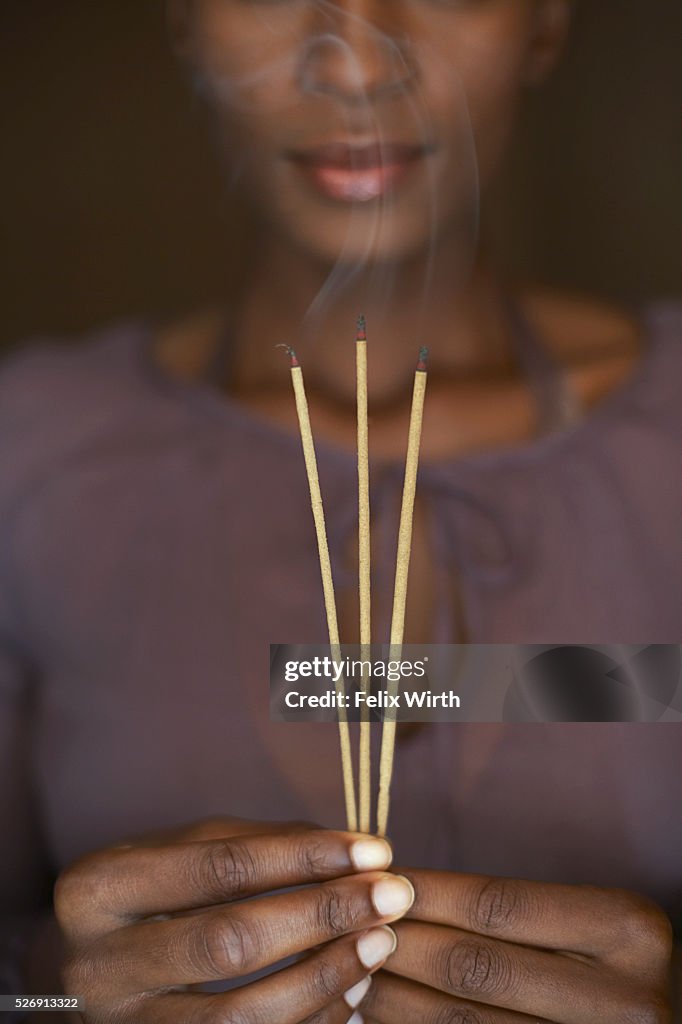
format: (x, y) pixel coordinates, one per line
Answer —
(532, 981)
(576, 918)
(210, 1009)
(392, 999)
(235, 941)
(325, 987)
(340, 971)
(336, 1013)
(101, 892)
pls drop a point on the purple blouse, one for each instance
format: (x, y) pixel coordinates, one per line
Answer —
(155, 537)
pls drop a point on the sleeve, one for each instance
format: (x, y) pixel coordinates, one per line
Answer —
(25, 879)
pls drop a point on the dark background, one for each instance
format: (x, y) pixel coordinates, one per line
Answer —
(113, 202)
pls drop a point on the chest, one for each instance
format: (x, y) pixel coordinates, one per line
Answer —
(154, 640)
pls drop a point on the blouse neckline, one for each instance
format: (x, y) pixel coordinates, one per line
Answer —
(202, 395)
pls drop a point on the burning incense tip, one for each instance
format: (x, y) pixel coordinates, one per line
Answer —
(362, 329)
(422, 364)
(290, 352)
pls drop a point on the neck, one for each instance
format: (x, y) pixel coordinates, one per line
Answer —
(452, 308)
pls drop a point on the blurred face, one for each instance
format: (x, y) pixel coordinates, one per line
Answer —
(366, 129)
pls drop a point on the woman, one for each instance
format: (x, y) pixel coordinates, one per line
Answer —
(156, 538)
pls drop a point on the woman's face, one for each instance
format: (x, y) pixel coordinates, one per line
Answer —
(365, 129)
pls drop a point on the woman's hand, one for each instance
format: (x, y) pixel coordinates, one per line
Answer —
(145, 922)
(480, 950)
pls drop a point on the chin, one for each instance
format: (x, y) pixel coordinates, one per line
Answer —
(369, 235)
(358, 246)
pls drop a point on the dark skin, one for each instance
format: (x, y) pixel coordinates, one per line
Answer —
(177, 914)
(146, 922)
(470, 949)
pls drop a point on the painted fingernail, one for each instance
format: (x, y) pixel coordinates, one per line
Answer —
(357, 1018)
(392, 896)
(357, 993)
(376, 946)
(371, 854)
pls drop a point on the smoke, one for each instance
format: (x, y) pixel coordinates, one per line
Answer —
(296, 43)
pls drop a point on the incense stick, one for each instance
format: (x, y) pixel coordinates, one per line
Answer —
(365, 773)
(400, 588)
(327, 581)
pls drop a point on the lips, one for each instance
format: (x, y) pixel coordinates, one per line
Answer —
(352, 173)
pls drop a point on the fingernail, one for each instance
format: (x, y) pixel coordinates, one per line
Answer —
(357, 1018)
(357, 993)
(376, 946)
(371, 854)
(392, 896)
